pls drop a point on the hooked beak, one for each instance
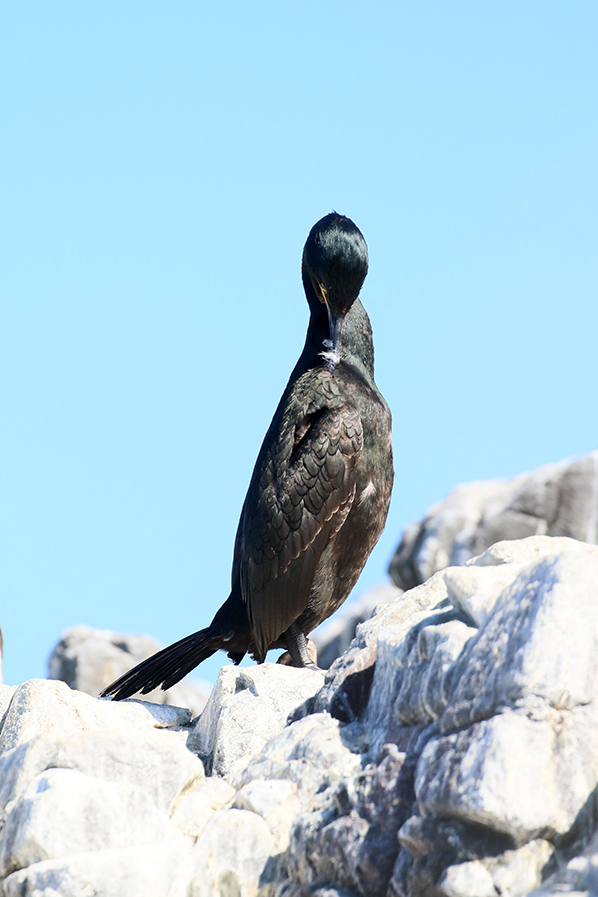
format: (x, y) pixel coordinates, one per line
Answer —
(335, 322)
(332, 355)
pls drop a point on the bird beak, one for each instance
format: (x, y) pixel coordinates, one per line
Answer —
(332, 355)
(335, 322)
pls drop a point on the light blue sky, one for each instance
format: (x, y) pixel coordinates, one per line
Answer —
(162, 165)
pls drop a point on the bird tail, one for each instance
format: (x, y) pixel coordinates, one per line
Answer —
(168, 666)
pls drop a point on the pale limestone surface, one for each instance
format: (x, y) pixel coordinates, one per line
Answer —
(451, 752)
(247, 707)
(556, 500)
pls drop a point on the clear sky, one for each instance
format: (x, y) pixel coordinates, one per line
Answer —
(161, 165)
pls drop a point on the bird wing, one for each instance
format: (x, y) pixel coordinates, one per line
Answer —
(301, 492)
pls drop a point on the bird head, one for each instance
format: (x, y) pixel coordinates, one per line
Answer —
(335, 263)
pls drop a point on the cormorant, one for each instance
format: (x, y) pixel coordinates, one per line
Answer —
(320, 490)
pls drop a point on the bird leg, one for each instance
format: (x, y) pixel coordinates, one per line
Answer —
(297, 648)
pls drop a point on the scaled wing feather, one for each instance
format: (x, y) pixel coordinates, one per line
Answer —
(309, 479)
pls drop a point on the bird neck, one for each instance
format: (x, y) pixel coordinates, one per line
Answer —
(358, 343)
(357, 347)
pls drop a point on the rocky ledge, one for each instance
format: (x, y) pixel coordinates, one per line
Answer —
(451, 751)
(558, 499)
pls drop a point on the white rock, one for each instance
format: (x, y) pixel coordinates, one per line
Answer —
(63, 811)
(311, 752)
(517, 872)
(40, 707)
(231, 855)
(500, 773)
(116, 742)
(334, 636)
(20, 764)
(277, 801)
(6, 693)
(498, 720)
(526, 551)
(556, 500)
(264, 796)
(433, 543)
(247, 707)
(362, 652)
(153, 870)
(550, 602)
(194, 806)
(576, 876)
(428, 661)
(154, 760)
(466, 880)
(395, 629)
(520, 752)
(475, 590)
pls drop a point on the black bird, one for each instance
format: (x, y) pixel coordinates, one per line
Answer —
(320, 490)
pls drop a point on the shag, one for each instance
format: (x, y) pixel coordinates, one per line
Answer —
(320, 490)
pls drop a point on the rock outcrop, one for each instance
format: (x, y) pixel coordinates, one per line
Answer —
(452, 751)
(555, 500)
(90, 659)
(334, 636)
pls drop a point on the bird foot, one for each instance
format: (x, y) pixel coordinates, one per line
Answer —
(302, 651)
(287, 661)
